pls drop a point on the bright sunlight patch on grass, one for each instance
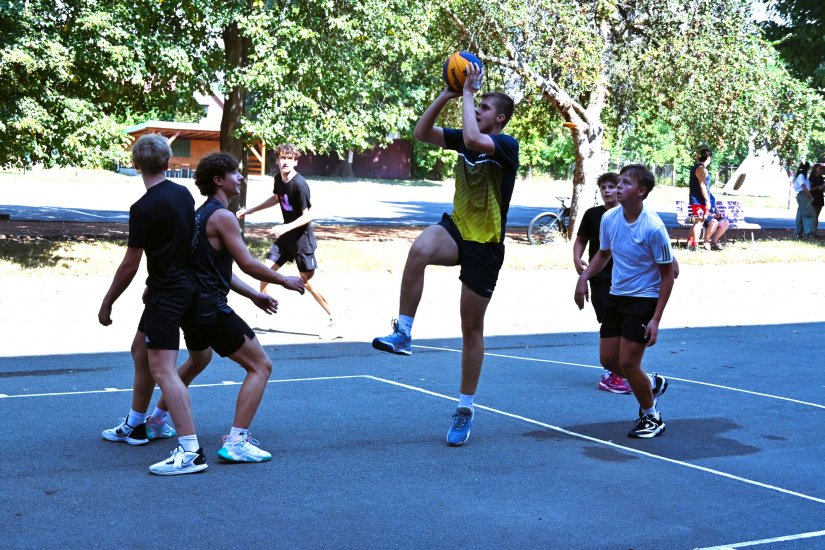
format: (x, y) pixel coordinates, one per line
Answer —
(101, 258)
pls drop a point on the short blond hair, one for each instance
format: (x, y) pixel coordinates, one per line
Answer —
(151, 153)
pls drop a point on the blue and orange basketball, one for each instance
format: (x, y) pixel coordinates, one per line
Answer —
(455, 69)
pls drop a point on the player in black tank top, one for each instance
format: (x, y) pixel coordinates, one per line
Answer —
(211, 323)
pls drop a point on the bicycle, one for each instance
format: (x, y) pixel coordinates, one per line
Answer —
(550, 226)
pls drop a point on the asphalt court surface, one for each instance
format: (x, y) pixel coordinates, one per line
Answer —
(360, 459)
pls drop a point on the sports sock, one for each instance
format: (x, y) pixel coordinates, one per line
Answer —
(160, 415)
(465, 400)
(135, 419)
(405, 323)
(651, 411)
(237, 433)
(189, 443)
(652, 381)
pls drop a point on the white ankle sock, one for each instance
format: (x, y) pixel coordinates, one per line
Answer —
(465, 400)
(237, 433)
(405, 323)
(651, 411)
(160, 415)
(189, 443)
(135, 419)
(652, 381)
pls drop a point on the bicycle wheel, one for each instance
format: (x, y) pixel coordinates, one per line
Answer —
(545, 228)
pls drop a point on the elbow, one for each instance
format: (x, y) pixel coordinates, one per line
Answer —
(247, 265)
(419, 134)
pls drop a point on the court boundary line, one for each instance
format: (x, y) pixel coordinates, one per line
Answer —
(478, 406)
(607, 443)
(785, 538)
(533, 359)
(224, 383)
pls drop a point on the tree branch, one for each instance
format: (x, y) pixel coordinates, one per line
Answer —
(550, 90)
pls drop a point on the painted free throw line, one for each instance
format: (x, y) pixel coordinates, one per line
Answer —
(600, 368)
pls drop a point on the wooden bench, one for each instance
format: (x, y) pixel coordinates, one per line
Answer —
(733, 210)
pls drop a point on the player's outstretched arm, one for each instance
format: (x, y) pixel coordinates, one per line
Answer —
(652, 330)
(426, 130)
(596, 265)
(226, 227)
(260, 299)
(268, 203)
(123, 277)
(473, 138)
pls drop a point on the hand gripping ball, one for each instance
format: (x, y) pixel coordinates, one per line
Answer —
(455, 69)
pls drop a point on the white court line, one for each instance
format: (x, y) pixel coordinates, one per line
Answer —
(609, 443)
(669, 377)
(225, 383)
(503, 413)
(766, 541)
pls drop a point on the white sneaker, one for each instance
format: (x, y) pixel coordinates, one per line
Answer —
(180, 462)
(331, 332)
(243, 449)
(127, 434)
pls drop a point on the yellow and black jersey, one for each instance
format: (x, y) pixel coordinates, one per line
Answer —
(483, 187)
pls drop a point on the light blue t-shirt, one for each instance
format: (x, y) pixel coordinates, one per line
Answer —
(637, 248)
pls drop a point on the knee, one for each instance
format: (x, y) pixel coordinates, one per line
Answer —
(262, 367)
(419, 255)
(629, 367)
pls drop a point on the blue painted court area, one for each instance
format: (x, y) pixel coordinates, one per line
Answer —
(360, 459)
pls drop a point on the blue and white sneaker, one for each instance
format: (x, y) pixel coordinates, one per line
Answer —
(460, 431)
(399, 342)
(157, 430)
(243, 449)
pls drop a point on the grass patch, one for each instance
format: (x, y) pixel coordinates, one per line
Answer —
(40, 257)
(32, 257)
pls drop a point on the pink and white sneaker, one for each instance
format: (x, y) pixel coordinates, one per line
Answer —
(614, 384)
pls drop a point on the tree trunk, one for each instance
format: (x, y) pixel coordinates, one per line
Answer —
(591, 162)
(343, 168)
(236, 51)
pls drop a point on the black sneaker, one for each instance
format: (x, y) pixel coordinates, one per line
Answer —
(127, 434)
(659, 388)
(648, 426)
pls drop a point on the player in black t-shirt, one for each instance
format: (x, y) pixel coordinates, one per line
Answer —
(295, 240)
(160, 224)
(211, 323)
(600, 283)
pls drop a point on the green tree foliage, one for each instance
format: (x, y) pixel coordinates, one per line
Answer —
(700, 68)
(72, 70)
(798, 29)
(336, 74)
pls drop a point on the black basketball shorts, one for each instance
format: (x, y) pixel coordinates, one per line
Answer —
(599, 294)
(162, 318)
(224, 333)
(282, 255)
(480, 262)
(627, 316)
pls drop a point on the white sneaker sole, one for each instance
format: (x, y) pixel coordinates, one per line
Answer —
(127, 440)
(172, 471)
